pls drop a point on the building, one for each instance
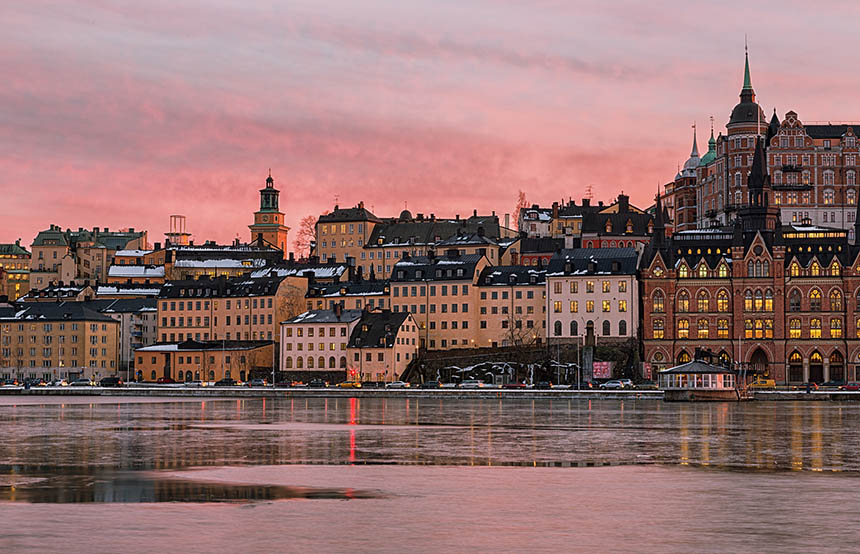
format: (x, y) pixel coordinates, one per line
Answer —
(775, 299)
(440, 293)
(138, 327)
(75, 256)
(618, 225)
(317, 340)
(511, 306)
(240, 308)
(381, 346)
(193, 360)
(268, 227)
(136, 274)
(58, 340)
(15, 269)
(342, 233)
(214, 260)
(680, 199)
(593, 286)
(536, 251)
(350, 294)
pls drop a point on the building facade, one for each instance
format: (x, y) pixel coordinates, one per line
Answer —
(381, 346)
(511, 307)
(317, 340)
(192, 360)
(15, 268)
(268, 227)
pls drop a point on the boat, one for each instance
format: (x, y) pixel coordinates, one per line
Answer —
(699, 381)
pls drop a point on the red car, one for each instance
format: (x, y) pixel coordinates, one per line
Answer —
(514, 385)
(851, 386)
(165, 381)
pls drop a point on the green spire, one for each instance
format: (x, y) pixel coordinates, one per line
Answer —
(747, 80)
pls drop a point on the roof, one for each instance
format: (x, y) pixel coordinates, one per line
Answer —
(697, 366)
(128, 290)
(221, 287)
(13, 249)
(137, 271)
(509, 275)
(441, 268)
(349, 288)
(596, 223)
(220, 263)
(534, 245)
(357, 213)
(59, 311)
(325, 316)
(425, 232)
(320, 271)
(832, 131)
(377, 329)
(193, 345)
(467, 239)
(594, 261)
(133, 253)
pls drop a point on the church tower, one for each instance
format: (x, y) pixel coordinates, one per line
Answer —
(268, 228)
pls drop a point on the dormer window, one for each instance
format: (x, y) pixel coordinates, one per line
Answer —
(438, 273)
(608, 226)
(401, 274)
(460, 272)
(629, 229)
(419, 274)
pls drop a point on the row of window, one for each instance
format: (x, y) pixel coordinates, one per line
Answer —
(606, 306)
(605, 286)
(343, 228)
(198, 305)
(443, 289)
(310, 362)
(205, 336)
(753, 328)
(606, 328)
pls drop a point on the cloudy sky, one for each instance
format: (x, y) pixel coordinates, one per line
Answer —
(118, 114)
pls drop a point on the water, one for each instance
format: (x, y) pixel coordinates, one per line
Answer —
(430, 475)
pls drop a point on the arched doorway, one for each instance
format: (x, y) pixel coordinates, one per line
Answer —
(759, 364)
(816, 368)
(795, 367)
(837, 366)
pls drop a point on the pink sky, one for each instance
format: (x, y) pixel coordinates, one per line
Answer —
(118, 117)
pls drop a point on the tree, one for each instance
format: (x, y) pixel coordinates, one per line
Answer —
(522, 204)
(305, 236)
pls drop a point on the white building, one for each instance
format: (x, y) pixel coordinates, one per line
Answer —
(317, 340)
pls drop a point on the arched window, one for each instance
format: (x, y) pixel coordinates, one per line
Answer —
(683, 301)
(683, 329)
(750, 269)
(321, 362)
(181, 376)
(702, 327)
(834, 269)
(794, 269)
(768, 300)
(242, 376)
(815, 269)
(703, 270)
(683, 358)
(765, 268)
(794, 301)
(835, 328)
(702, 301)
(606, 328)
(724, 358)
(815, 300)
(835, 300)
(723, 271)
(211, 374)
(722, 301)
(851, 194)
(310, 362)
(299, 362)
(723, 328)
(288, 362)
(815, 328)
(683, 271)
(759, 329)
(748, 328)
(556, 328)
(795, 367)
(816, 358)
(153, 375)
(748, 300)
(574, 328)
(758, 268)
(658, 302)
(343, 362)
(758, 301)
(332, 363)
(622, 328)
(657, 328)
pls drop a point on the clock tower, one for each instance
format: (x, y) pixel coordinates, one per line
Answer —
(268, 227)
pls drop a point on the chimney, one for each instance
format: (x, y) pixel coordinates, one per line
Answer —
(586, 202)
(130, 229)
(338, 310)
(600, 203)
(106, 230)
(507, 221)
(359, 274)
(474, 213)
(158, 246)
(514, 257)
(360, 205)
(555, 210)
(190, 243)
(309, 275)
(96, 230)
(292, 258)
(623, 203)
(431, 254)
(350, 273)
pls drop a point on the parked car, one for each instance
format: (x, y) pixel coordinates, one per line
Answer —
(614, 384)
(59, 383)
(165, 381)
(762, 383)
(317, 384)
(257, 383)
(10, 382)
(283, 384)
(429, 385)
(647, 385)
(471, 384)
(226, 382)
(851, 386)
(543, 385)
(349, 385)
(833, 384)
(448, 385)
(82, 382)
(514, 385)
(628, 384)
(195, 384)
(112, 381)
(396, 385)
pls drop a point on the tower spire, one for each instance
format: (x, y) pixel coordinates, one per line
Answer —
(747, 80)
(695, 152)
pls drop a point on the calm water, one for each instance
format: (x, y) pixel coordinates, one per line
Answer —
(430, 475)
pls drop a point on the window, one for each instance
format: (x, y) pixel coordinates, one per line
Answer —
(658, 302)
(794, 328)
(574, 328)
(835, 328)
(723, 271)
(589, 286)
(557, 328)
(815, 328)
(683, 272)
(556, 307)
(574, 306)
(768, 300)
(702, 328)
(622, 286)
(759, 301)
(835, 301)
(748, 328)
(683, 329)
(657, 328)
(606, 286)
(722, 301)
(815, 300)
(723, 328)
(622, 328)
(606, 328)
(703, 271)
(702, 301)
(622, 305)
(794, 301)
(683, 301)
(607, 305)
(748, 300)
(589, 305)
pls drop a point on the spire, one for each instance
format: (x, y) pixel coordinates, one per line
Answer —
(659, 221)
(747, 80)
(269, 181)
(758, 178)
(694, 153)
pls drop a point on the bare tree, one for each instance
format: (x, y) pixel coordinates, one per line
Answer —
(305, 236)
(522, 204)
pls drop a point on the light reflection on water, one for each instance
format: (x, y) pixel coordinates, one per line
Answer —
(424, 467)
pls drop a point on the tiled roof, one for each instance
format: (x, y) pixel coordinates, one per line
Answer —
(325, 316)
(444, 268)
(221, 287)
(377, 329)
(512, 275)
(594, 261)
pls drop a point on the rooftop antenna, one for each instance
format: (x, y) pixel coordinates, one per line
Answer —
(589, 193)
(712, 125)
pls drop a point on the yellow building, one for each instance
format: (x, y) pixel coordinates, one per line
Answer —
(15, 269)
(210, 361)
(381, 346)
(58, 340)
(268, 227)
(439, 291)
(511, 307)
(343, 233)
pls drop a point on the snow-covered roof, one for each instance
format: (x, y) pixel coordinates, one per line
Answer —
(134, 253)
(108, 290)
(221, 263)
(120, 271)
(323, 272)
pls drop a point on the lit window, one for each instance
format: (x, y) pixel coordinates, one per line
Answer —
(683, 329)
(815, 328)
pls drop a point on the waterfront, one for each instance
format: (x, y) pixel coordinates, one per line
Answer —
(439, 474)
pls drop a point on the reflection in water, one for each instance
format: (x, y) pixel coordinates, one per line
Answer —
(122, 435)
(148, 488)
